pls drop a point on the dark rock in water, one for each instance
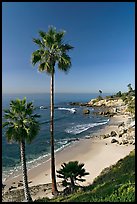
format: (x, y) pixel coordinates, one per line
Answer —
(74, 103)
(43, 107)
(114, 141)
(77, 104)
(113, 133)
(86, 111)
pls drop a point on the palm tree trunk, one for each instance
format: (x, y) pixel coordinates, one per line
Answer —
(72, 184)
(53, 176)
(24, 172)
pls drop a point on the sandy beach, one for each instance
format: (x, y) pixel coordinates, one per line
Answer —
(95, 153)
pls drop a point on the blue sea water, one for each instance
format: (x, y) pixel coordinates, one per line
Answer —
(67, 126)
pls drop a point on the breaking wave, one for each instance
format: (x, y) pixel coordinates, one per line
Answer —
(72, 110)
(81, 128)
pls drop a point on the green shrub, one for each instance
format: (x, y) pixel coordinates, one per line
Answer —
(70, 173)
(118, 94)
(99, 98)
(123, 97)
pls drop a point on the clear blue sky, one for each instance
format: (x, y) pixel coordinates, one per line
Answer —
(103, 36)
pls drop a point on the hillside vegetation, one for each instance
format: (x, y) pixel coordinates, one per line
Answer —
(114, 184)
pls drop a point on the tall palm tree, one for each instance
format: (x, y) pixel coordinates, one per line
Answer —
(21, 126)
(52, 50)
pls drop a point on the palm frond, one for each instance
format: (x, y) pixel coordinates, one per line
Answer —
(38, 42)
(5, 124)
(36, 57)
(42, 34)
(49, 41)
(42, 67)
(33, 131)
(52, 31)
(59, 37)
(66, 47)
(64, 62)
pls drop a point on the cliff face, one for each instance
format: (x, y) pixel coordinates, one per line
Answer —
(106, 102)
(115, 105)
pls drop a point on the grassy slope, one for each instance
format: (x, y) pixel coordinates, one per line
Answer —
(114, 184)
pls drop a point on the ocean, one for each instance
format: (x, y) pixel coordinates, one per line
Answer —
(69, 124)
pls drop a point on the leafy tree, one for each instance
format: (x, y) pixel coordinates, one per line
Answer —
(70, 173)
(21, 126)
(52, 50)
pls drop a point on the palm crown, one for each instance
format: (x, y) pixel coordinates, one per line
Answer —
(21, 122)
(51, 50)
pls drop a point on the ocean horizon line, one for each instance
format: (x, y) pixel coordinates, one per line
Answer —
(58, 93)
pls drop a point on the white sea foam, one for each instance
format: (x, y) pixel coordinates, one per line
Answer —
(81, 128)
(15, 171)
(72, 110)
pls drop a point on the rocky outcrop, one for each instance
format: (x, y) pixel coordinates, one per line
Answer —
(107, 113)
(86, 111)
(105, 136)
(125, 141)
(124, 135)
(121, 125)
(106, 102)
(114, 141)
(113, 134)
(77, 104)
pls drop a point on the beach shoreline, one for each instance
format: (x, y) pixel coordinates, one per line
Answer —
(96, 153)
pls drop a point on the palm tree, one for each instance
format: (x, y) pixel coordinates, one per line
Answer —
(129, 87)
(100, 92)
(70, 173)
(52, 50)
(21, 126)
